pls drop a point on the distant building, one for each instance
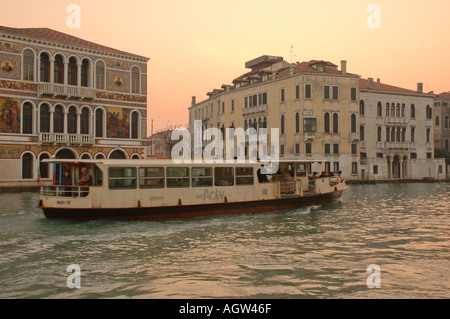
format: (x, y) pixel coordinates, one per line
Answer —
(397, 138)
(158, 145)
(314, 105)
(442, 121)
(64, 97)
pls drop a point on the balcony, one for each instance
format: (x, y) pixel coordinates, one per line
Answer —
(66, 139)
(397, 145)
(396, 121)
(254, 109)
(65, 90)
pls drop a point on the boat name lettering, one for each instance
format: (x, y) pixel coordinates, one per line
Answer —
(63, 202)
(213, 194)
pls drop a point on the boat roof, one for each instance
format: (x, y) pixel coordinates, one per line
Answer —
(166, 162)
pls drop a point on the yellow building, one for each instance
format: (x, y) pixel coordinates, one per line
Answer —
(313, 104)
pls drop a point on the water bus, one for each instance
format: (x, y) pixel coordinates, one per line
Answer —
(161, 189)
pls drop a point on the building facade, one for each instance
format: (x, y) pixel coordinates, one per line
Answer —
(441, 112)
(397, 136)
(314, 105)
(64, 97)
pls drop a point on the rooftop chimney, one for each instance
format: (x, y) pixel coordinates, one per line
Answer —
(370, 85)
(419, 87)
(344, 67)
(193, 101)
(378, 80)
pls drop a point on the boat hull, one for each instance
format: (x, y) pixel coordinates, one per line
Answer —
(190, 211)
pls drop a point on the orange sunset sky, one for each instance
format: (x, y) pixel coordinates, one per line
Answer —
(195, 46)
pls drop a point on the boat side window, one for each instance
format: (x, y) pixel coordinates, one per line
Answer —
(151, 177)
(223, 176)
(301, 170)
(98, 179)
(202, 177)
(244, 175)
(122, 177)
(177, 176)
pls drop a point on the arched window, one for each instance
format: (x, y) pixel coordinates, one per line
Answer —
(27, 166)
(353, 123)
(58, 70)
(58, 120)
(388, 134)
(361, 107)
(437, 120)
(245, 125)
(117, 155)
(135, 80)
(85, 67)
(28, 65)
(134, 125)
(282, 124)
(361, 133)
(72, 120)
(413, 111)
(265, 122)
(44, 67)
(387, 109)
(413, 134)
(399, 131)
(98, 123)
(392, 109)
(398, 109)
(335, 123)
(44, 118)
(43, 167)
(429, 112)
(446, 124)
(379, 134)
(379, 109)
(326, 123)
(27, 118)
(404, 135)
(84, 121)
(297, 122)
(403, 110)
(100, 75)
(428, 135)
(72, 72)
(99, 156)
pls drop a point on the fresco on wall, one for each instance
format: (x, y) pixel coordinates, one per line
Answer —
(9, 115)
(118, 125)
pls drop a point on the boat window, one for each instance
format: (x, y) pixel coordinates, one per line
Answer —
(301, 169)
(177, 177)
(224, 176)
(122, 177)
(151, 177)
(98, 179)
(244, 175)
(201, 176)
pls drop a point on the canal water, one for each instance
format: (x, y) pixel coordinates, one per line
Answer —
(377, 241)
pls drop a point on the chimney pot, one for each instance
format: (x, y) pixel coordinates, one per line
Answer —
(419, 87)
(193, 101)
(370, 85)
(344, 67)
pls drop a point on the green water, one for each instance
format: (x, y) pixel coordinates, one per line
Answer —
(315, 252)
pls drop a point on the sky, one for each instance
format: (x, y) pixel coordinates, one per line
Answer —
(195, 46)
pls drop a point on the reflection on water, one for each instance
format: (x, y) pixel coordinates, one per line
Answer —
(313, 252)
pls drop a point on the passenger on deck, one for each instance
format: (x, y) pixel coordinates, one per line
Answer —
(67, 181)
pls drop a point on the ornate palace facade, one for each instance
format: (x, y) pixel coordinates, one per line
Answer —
(64, 97)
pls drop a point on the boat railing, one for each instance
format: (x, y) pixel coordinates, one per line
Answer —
(73, 191)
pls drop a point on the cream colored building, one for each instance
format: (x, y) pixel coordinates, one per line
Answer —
(397, 136)
(313, 104)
